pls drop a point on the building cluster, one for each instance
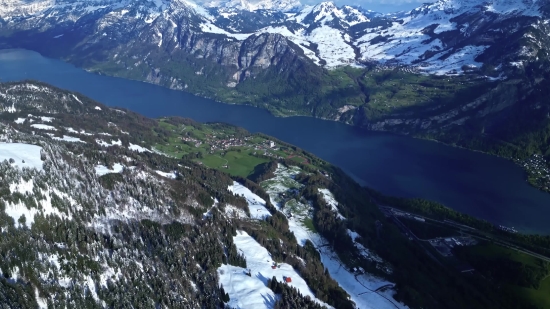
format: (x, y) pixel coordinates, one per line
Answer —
(217, 143)
(537, 167)
(445, 245)
(507, 229)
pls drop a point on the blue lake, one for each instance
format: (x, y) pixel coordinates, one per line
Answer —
(474, 183)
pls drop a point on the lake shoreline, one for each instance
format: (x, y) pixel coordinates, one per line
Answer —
(466, 181)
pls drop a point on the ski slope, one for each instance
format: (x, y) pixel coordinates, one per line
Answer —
(252, 292)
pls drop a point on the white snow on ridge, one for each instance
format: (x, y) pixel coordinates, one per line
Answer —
(138, 148)
(252, 292)
(366, 253)
(17, 210)
(20, 120)
(21, 152)
(256, 204)
(463, 57)
(329, 199)
(211, 28)
(67, 138)
(105, 144)
(77, 99)
(101, 170)
(43, 127)
(254, 5)
(171, 175)
(527, 8)
(71, 130)
(234, 212)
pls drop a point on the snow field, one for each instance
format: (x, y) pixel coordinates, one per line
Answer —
(71, 130)
(171, 175)
(101, 170)
(21, 152)
(105, 144)
(70, 139)
(359, 287)
(251, 292)
(234, 212)
(15, 211)
(256, 204)
(43, 127)
(138, 148)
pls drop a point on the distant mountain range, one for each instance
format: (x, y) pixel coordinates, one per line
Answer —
(451, 66)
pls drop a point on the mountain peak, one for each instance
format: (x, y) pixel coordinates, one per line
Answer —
(275, 5)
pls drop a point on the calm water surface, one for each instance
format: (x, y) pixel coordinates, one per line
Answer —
(481, 185)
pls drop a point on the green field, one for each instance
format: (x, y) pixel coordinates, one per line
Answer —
(194, 141)
(397, 91)
(239, 163)
(540, 297)
(515, 270)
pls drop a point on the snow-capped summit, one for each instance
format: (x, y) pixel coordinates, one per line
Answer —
(445, 8)
(327, 11)
(251, 6)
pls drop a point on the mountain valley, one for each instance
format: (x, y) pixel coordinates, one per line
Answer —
(102, 207)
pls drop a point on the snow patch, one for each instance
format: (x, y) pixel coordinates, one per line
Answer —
(16, 211)
(43, 127)
(138, 148)
(101, 170)
(171, 175)
(70, 139)
(252, 292)
(105, 144)
(256, 204)
(21, 152)
(329, 199)
(77, 99)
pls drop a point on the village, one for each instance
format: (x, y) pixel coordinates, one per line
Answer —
(538, 171)
(216, 143)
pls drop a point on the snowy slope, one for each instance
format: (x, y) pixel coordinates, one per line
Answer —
(329, 199)
(251, 292)
(444, 37)
(256, 204)
(20, 152)
(276, 5)
(360, 287)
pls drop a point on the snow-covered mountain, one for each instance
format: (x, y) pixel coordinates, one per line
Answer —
(251, 6)
(443, 37)
(288, 58)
